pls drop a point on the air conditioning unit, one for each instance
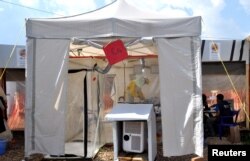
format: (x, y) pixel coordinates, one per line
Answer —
(134, 136)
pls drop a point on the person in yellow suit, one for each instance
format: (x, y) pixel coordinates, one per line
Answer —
(134, 89)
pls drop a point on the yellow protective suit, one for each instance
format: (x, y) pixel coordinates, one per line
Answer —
(134, 90)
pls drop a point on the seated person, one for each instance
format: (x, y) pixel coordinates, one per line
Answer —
(205, 116)
(222, 108)
(205, 105)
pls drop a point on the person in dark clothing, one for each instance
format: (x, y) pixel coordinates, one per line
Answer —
(205, 105)
(5, 132)
(222, 108)
(2, 114)
(205, 116)
(204, 102)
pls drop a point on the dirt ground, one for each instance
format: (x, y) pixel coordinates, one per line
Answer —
(15, 151)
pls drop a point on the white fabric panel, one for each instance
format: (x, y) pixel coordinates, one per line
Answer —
(236, 56)
(246, 52)
(47, 81)
(29, 116)
(114, 27)
(74, 116)
(181, 106)
(225, 49)
(117, 19)
(15, 61)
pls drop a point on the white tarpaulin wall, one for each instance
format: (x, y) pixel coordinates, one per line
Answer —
(177, 42)
(180, 97)
(229, 50)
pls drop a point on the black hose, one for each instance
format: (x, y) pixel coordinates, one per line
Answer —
(85, 118)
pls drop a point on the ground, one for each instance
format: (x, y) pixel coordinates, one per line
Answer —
(15, 151)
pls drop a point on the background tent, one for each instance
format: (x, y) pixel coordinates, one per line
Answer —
(230, 80)
(13, 81)
(177, 43)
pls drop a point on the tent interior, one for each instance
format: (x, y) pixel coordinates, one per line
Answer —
(106, 88)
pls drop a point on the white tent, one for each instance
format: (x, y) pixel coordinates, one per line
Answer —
(177, 44)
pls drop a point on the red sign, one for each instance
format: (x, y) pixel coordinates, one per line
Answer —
(115, 52)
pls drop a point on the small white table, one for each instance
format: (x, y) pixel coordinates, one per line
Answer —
(133, 112)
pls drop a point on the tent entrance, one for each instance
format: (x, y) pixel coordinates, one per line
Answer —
(81, 121)
(104, 90)
(75, 116)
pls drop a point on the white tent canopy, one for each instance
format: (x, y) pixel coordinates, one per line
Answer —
(178, 47)
(117, 19)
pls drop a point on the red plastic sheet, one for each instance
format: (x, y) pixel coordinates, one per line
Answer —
(115, 52)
